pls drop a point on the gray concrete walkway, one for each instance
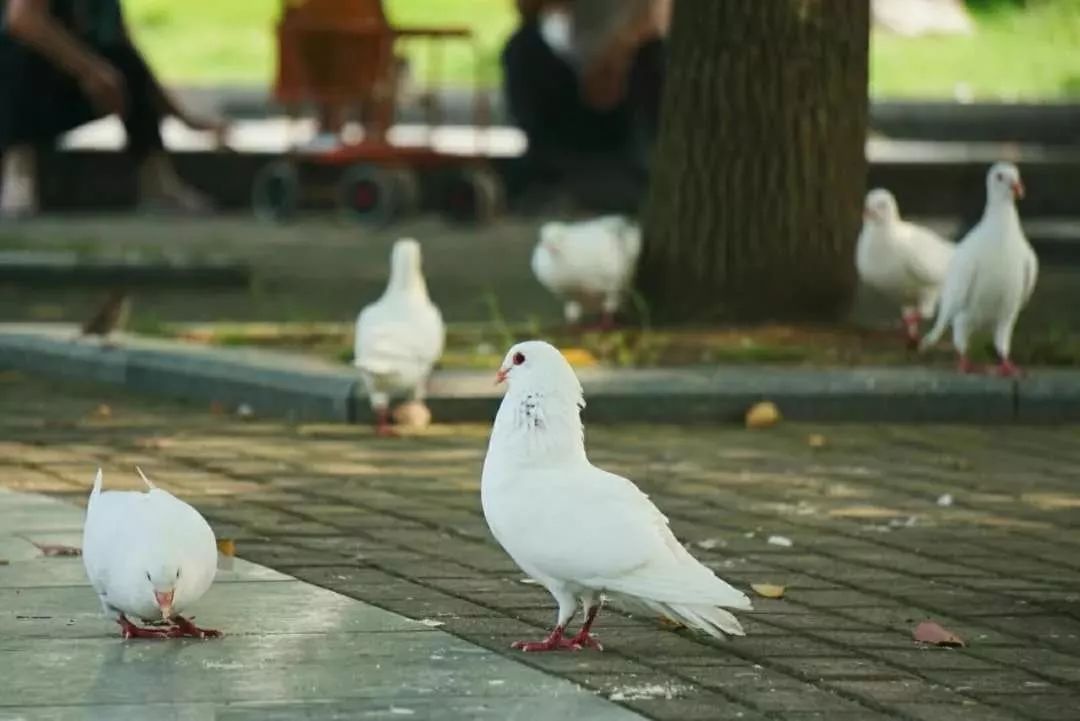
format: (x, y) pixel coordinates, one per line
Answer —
(291, 651)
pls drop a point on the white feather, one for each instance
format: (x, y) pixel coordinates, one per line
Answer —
(590, 263)
(128, 534)
(399, 337)
(576, 528)
(993, 272)
(902, 260)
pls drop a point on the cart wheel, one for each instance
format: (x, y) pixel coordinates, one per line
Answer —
(276, 191)
(473, 195)
(376, 195)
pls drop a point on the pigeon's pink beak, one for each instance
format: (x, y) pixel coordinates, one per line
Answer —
(868, 214)
(1018, 190)
(501, 374)
(164, 602)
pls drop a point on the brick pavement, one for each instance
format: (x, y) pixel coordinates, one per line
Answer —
(398, 524)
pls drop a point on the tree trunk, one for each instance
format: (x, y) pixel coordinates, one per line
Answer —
(756, 193)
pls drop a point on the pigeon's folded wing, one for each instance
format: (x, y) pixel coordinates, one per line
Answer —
(1031, 273)
(611, 536)
(387, 346)
(929, 256)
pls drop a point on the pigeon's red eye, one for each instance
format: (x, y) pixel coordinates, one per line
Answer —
(519, 358)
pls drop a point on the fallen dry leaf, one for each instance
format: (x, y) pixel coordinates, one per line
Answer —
(226, 546)
(217, 408)
(48, 549)
(102, 411)
(816, 440)
(670, 623)
(763, 415)
(768, 590)
(930, 632)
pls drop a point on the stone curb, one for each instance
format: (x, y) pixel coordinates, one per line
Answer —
(303, 389)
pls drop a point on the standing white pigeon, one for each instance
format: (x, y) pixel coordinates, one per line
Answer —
(579, 530)
(400, 336)
(588, 264)
(148, 555)
(992, 275)
(906, 262)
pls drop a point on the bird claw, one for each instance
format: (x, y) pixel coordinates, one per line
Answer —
(587, 640)
(964, 365)
(1007, 369)
(130, 630)
(385, 431)
(548, 644)
(185, 628)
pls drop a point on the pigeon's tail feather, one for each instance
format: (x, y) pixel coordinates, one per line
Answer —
(146, 480)
(684, 581)
(934, 334)
(712, 620)
(97, 484)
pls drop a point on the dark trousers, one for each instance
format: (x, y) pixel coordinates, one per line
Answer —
(39, 102)
(543, 96)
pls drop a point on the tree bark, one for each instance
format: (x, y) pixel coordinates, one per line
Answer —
(759, 169)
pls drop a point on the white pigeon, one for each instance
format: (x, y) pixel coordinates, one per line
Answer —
(992, 275)
(400, 336)
(588, 264)
(579, 530)
(150, 556)
(904, 261)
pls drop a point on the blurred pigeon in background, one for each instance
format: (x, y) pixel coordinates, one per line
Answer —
(904, 261)
(992, 275)
(399, 337)
(589, 264)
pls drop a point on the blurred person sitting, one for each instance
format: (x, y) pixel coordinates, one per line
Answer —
(582, 78)
(64, 63)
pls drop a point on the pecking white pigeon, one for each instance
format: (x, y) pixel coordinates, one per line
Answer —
(400, 336)
(992, 274)
(579, 530)
(588, 264)
(150, 556)
(904, 261)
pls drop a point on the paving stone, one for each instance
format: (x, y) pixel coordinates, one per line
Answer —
(397, 524)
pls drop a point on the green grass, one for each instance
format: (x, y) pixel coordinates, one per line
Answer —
(232, 41)
(479, 346)
(1018, 52)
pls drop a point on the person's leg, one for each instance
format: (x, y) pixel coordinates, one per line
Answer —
(160, 188)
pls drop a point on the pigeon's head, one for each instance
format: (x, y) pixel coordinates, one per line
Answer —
(405, 274)
(538, 366)
(162, 578)
(1003, 183)
(550, 235)
(405, 255)
(880, 207)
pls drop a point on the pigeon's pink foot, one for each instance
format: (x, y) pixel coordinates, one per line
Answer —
(911, 330)
(383, 427)
(554, 642)
(584, 639)
(185, 628)
(1007, 369)
(964, 365)
(130, 630)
